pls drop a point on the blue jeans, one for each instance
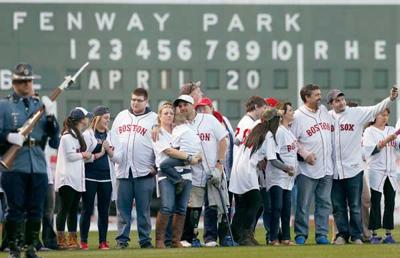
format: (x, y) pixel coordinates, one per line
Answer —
(167, 167)
(347, 193)
(280, 211)
(320, 189)
(170, 202)
(140, 189)
(266, 203)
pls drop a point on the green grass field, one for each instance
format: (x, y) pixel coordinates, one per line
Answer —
(309, 250)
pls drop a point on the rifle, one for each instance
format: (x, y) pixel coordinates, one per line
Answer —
(9, 157)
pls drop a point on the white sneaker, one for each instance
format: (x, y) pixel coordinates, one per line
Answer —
(357, 242)
(211, 244)
(339, 241)
(185, 243)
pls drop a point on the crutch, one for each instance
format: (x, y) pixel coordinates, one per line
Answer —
(225, 208)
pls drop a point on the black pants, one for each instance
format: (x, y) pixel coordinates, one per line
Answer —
(281, 208)
(103, 191)
(25, 193)
(49, 237)
(375, 221)
(69, 204)
(246, 208)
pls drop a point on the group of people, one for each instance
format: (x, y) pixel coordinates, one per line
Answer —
(191, 155)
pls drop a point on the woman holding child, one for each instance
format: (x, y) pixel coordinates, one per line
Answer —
(173, 202)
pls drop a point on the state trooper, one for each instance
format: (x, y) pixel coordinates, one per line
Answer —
(25, 182)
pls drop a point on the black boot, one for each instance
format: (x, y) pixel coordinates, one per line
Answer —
(13, 229)
(32, 229)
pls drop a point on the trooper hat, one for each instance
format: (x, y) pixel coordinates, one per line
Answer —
(24, 71)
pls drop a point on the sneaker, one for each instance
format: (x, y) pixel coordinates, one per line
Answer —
(185, 243)
(228, 241)
(104, 246)
(375, 240)
(339, 241)
(357, 242)
(211, 244)
(196, 242)
(84, 246)
(388, 240)
(322, 240)
(300, 240)
(122, 245)
(146, 245)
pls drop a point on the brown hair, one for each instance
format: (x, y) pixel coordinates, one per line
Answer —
(373, 122)
(140, 92)
(258, 133)
(254, 101)
(307, 91)
(283, 106)
(70, 126)
(189, 87)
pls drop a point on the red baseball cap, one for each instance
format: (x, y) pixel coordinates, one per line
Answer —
(204, 102)
(272, 102)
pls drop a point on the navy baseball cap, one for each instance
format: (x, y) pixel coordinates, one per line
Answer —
(100, 110)
(79, 113)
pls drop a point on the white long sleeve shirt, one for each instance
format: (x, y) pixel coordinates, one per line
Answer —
(70, 168)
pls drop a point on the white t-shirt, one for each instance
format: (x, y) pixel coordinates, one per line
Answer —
(286, 147)
(210, 131)
(381, 165)
(244, 176)
(163, 143)
(185, 139)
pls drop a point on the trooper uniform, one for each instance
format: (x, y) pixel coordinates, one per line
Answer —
(25, 182)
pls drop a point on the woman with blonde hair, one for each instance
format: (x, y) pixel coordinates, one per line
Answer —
(99, 175)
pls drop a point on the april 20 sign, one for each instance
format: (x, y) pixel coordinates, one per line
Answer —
(235, 50)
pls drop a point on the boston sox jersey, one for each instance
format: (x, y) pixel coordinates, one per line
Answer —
(313, 131)
(210, 131)
(381, 165)
(286, 147)
(243, 129)
(135, 139)
(348, 128)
